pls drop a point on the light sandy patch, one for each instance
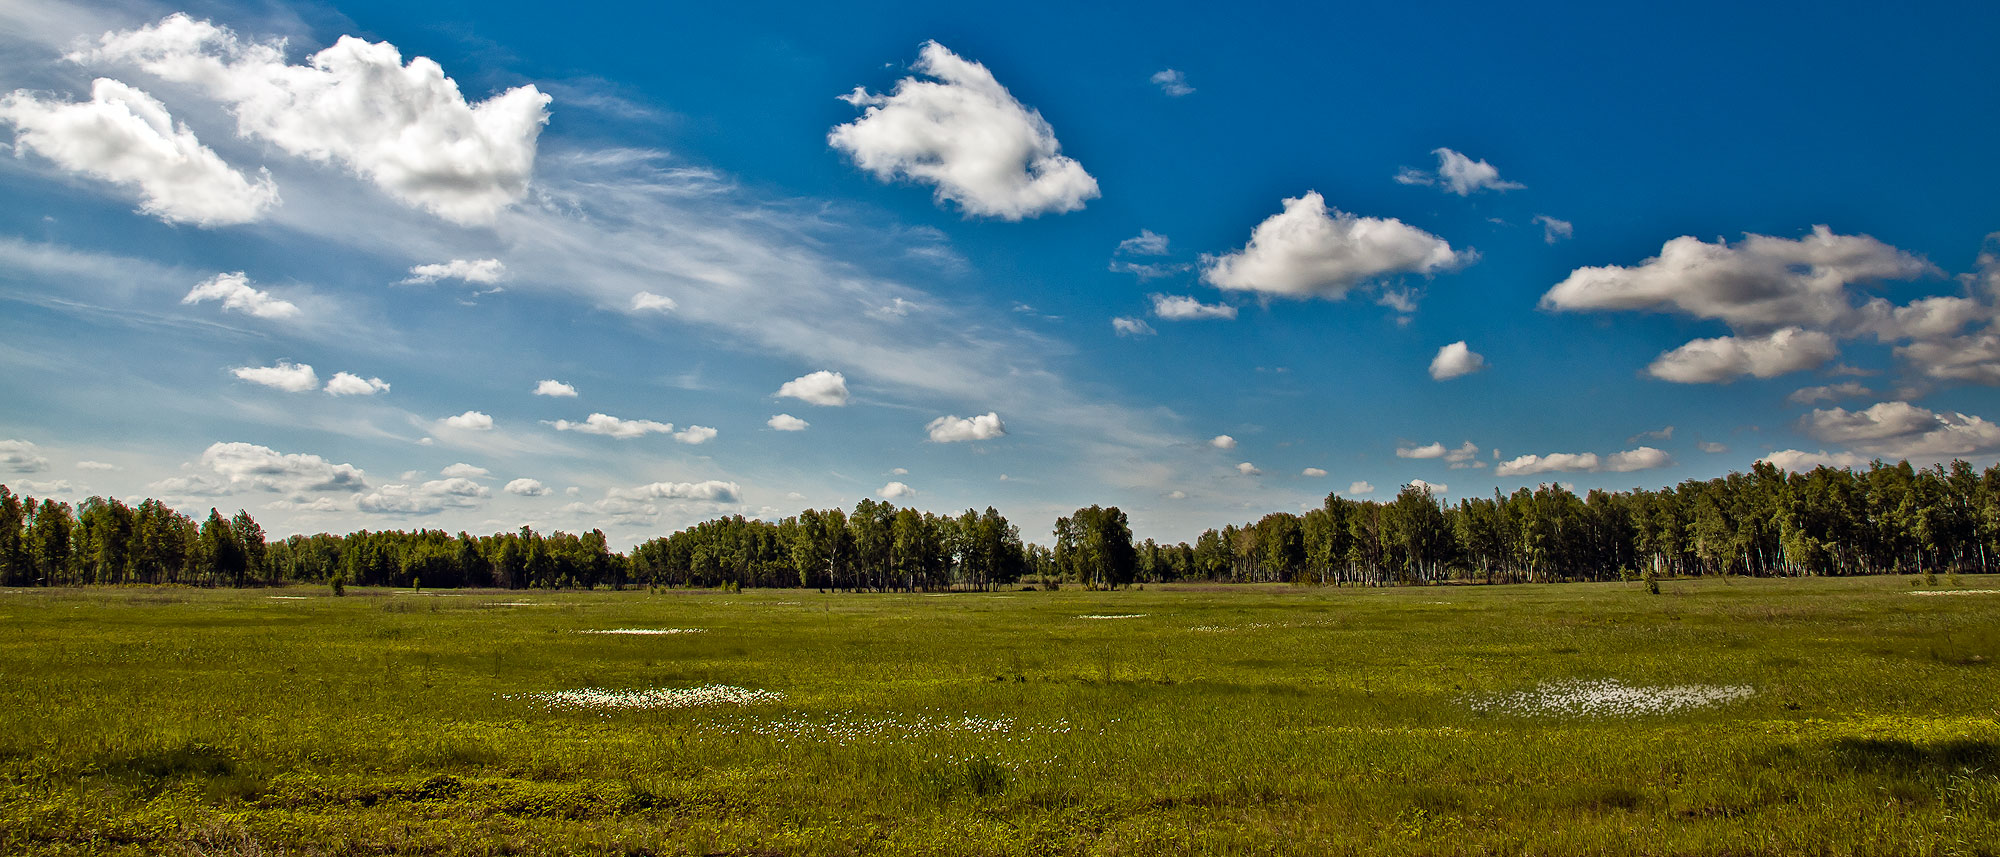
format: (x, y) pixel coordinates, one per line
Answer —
(1958, 592)
(1113, 616)
(286, 597)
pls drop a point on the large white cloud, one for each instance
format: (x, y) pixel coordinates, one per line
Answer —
(964, 133)
(1800, 461)
(1459, 174)
(610, 426)
(236, 293)
(1725, 358)
(1900, 430)
(949, 429)
(20, 456)
(1759, 282)
(126, 137)
(1641, 458)
(484, 271)
(1309, 250)
(405, 127)
(287, 376)
(1926, 318)
(1183, 308)
(1456, 360)
(817, 388)
(1974, 358)
(233, 466)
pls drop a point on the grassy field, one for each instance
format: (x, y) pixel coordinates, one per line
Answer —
(1821, 716)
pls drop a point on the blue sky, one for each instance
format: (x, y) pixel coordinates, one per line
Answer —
(1475, 246)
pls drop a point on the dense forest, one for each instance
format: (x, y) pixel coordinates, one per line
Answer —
(1886, 519)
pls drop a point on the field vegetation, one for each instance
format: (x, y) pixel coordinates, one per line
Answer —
(1721, 716)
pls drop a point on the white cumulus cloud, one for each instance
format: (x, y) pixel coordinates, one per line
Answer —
(126, 137)
(1455, 360)
(1641, 458)
(484, 271)
(1436, 488)
(470, 421)
(1800, 461)
(553, 387)
(1829, 393)
(1309, 250)
(1146, 243)
(787, 422)
(1900, 430)
(462, 470)
(695, 435)
(710, 491)
(1359, 487)
(526, 487)
(1248, 469)
(964, 133)
(949, 429)
(1554, 230)
(406, 127)
(350, 384)
(21, 456)
(610, 426)
(1182, 308)
(1126, 326)
(1725, 358)
(287, 376)
(817, 388)
(428, 498)
(1222, 441)
(1312, 472)
(1171, 82)
(647, 301)
(1458, 174)
(236, 293)
(234, 466)
(896, 491)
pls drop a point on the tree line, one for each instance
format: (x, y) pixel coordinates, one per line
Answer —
(1886, 519)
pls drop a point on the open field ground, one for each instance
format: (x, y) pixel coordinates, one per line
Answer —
(1819, 716)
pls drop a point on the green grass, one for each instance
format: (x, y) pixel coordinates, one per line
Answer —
(1314, 721)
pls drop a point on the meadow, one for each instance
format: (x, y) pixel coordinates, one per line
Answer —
(1741, 717)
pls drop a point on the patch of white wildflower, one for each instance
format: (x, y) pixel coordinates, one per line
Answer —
(1113, 616)
(648, 632)
(601, 699)
(1610, 698)
(1958, 592)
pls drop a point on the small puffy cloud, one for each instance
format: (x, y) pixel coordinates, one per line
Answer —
(1829, 393)
(350, 384)
(963, 132)
(1641, 458)
(896, 491)
(526, 487)
(1462, 454)
(470, 421)
(1455, 360)
(407, 128)
(610, 426)
(949, 429)
(1222, 441)
(1712, 447)
(1146, 243)
(787, 422)
(710, 491)
(1553, 229)
(1182, 308)
(1432, 487)
(818, 388)
(236, 293)
(463, 470)
(1726, 358)
(1759, 282)
(1360, 487)
(1171, 82)
(1248, 469)
(1974, 358)
(900, 471)
(81, 465)
(1458, 174)
(46, 488)
(126, 137)
(287, 376)
(555, 388)
(1403, 301)
(1900, 430)
(1800, 461)
(483, 271)
(1312, 472)
(1177, 494)
(428, 498)
(20, 456)
(647, 301)
(1125, 326)
(1309, 250)
(695, 435)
